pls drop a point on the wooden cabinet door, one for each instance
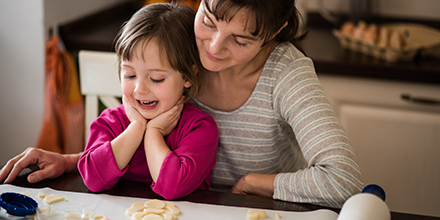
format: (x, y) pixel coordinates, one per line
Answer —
(396, 138)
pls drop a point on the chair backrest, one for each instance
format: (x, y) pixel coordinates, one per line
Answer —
(99, 80)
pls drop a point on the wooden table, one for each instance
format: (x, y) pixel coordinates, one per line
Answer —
(73, 182)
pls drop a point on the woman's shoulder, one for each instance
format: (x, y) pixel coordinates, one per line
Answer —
(284, 58)
(285, 53)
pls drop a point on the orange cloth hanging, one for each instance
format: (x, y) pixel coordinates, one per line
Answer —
(63, 125)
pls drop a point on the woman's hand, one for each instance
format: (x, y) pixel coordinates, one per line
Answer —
(51, 165)
(132, 113)
(255, 184)
(167, 121)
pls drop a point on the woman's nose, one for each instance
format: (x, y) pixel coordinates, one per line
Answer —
(217, 44)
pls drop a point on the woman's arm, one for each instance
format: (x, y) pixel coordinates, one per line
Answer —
(332, 175)
(50, 164)
(255, 184)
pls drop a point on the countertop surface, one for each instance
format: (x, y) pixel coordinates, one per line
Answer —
(72, 182)
(98, 31)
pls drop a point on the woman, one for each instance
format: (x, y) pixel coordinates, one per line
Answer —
(279, 136)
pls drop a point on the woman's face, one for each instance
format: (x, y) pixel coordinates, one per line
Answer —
(222, 44)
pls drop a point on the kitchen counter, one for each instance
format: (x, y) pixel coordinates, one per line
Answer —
(98, 31)
(328, 56)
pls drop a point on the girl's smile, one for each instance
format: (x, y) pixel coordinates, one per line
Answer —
(147, 105)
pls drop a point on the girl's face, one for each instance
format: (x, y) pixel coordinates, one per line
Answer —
(224, 44)
(150, 85)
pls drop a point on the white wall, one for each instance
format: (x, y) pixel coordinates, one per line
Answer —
(21, 75)
(23, 33)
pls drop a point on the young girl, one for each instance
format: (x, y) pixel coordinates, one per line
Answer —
(153, 137)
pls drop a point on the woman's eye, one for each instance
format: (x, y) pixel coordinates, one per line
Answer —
(157, 80)
(240, 44)
(208, 23)
(129, 76)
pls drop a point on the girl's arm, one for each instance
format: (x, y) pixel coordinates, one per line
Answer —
(186, 164)
(97, 165)
(125, 145)
(155, 147)
(109, 148)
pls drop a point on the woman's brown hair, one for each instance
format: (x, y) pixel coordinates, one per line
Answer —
(172, 27)
(269, 15)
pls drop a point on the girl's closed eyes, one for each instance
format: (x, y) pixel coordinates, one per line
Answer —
(157, 80)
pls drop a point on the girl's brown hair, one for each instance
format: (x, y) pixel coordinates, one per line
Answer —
(269, 17)
(172, 27)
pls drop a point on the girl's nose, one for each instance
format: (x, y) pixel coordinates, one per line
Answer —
(141, 88)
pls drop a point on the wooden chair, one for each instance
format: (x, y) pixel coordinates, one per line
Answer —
(99, 82)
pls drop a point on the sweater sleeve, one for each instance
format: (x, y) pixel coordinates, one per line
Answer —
(190, 165)
(332, 174)
(97, 165)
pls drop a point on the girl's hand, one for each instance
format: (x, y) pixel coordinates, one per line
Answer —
(167, 121)
(132, 113)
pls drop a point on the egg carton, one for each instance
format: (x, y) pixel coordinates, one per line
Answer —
(411, 39)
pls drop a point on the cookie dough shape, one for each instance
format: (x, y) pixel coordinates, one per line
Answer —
(42, 195)
(73, 215)
(155, 204)
(152, 217)
(138, 206)
(255, 214)
(50, 199)
(152, 210)
(100, 217)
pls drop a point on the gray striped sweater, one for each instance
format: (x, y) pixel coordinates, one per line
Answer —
(288, 127)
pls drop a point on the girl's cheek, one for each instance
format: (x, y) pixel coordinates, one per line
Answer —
(125, 90)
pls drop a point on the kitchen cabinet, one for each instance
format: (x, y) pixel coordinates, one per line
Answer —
(394, 128)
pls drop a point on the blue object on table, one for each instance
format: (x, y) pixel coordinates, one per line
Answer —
(376, 190)
(18, 204)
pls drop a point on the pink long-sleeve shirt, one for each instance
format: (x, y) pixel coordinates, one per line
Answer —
(188, 166)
